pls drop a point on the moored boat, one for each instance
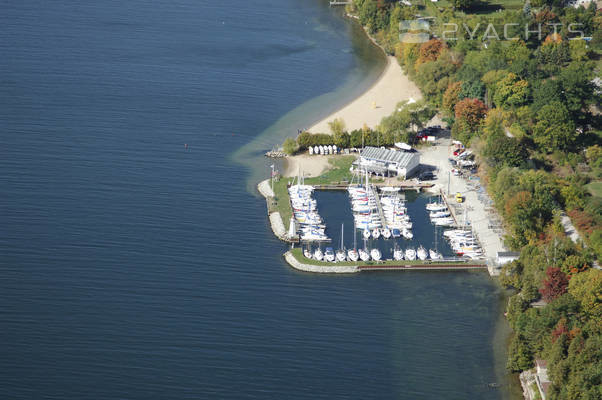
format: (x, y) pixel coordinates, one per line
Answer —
(329, 254)
(375, 254)
(434, 255)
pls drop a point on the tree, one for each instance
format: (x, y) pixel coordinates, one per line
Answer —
(289, 146)
(554, 129)
(555, 284)
(545, 92)
(511, 91)
(430, 51)
(586, 287)
(472, 111)
(337, 126)
(520, 356)
(451, 97)
(472, 89)
(578, 89)
(462, 4)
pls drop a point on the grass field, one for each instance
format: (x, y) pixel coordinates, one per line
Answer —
(434, 9)
(595, 188)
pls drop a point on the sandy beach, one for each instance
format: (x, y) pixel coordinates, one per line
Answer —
(377, 102)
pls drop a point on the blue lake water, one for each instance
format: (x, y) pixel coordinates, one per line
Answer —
(335, 209)
(133, 266)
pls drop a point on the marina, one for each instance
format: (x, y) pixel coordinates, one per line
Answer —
(380, 233)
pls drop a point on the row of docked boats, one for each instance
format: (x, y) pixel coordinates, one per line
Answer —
(366, 215)
(305, 212)
(412, 254)
(396, 216)
(342, 255)
(464, 243)
(439, 214)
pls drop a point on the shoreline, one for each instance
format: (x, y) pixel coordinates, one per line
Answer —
(378, 101)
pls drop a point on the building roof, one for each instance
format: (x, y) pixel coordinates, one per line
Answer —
(402, 158)
(508, 254)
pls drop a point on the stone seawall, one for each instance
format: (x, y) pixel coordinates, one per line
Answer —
(320, 269)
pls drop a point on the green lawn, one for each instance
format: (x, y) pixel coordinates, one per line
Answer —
(595, 188)
(486, 7)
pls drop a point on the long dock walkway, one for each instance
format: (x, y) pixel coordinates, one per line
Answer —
(421, 267)
(402, 185)
(381, 214)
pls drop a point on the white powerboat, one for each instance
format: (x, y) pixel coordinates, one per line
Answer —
(436, 206)
(353, 255)
(376, 233)
(318, 255)
(375, 254)
(421, 253)
(398, 254)
(407, 234)
(386, 233)
(366, 234)
(307, 253)
(329, 255)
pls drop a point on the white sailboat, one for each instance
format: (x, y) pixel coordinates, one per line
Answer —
(341, 252)
(352, 254)
(386, 232)
(318, 255)
(434, 255)
(329, 254)
(398, 254)
(421, 253)
(307, 253)
(376, 233)
(410, 254)
(375, 254)
(366, 234)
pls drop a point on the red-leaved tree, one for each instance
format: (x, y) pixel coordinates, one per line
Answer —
(473, 111)
(555, 284)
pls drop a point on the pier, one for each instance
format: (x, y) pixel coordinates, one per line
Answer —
(405, 185)
(275, 218)
(452, 211)
(295, 259)
(381, 214)
(422, 267)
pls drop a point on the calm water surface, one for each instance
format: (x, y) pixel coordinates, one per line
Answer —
(132, 267)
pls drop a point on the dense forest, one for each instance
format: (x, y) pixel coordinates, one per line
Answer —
(517, 84)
